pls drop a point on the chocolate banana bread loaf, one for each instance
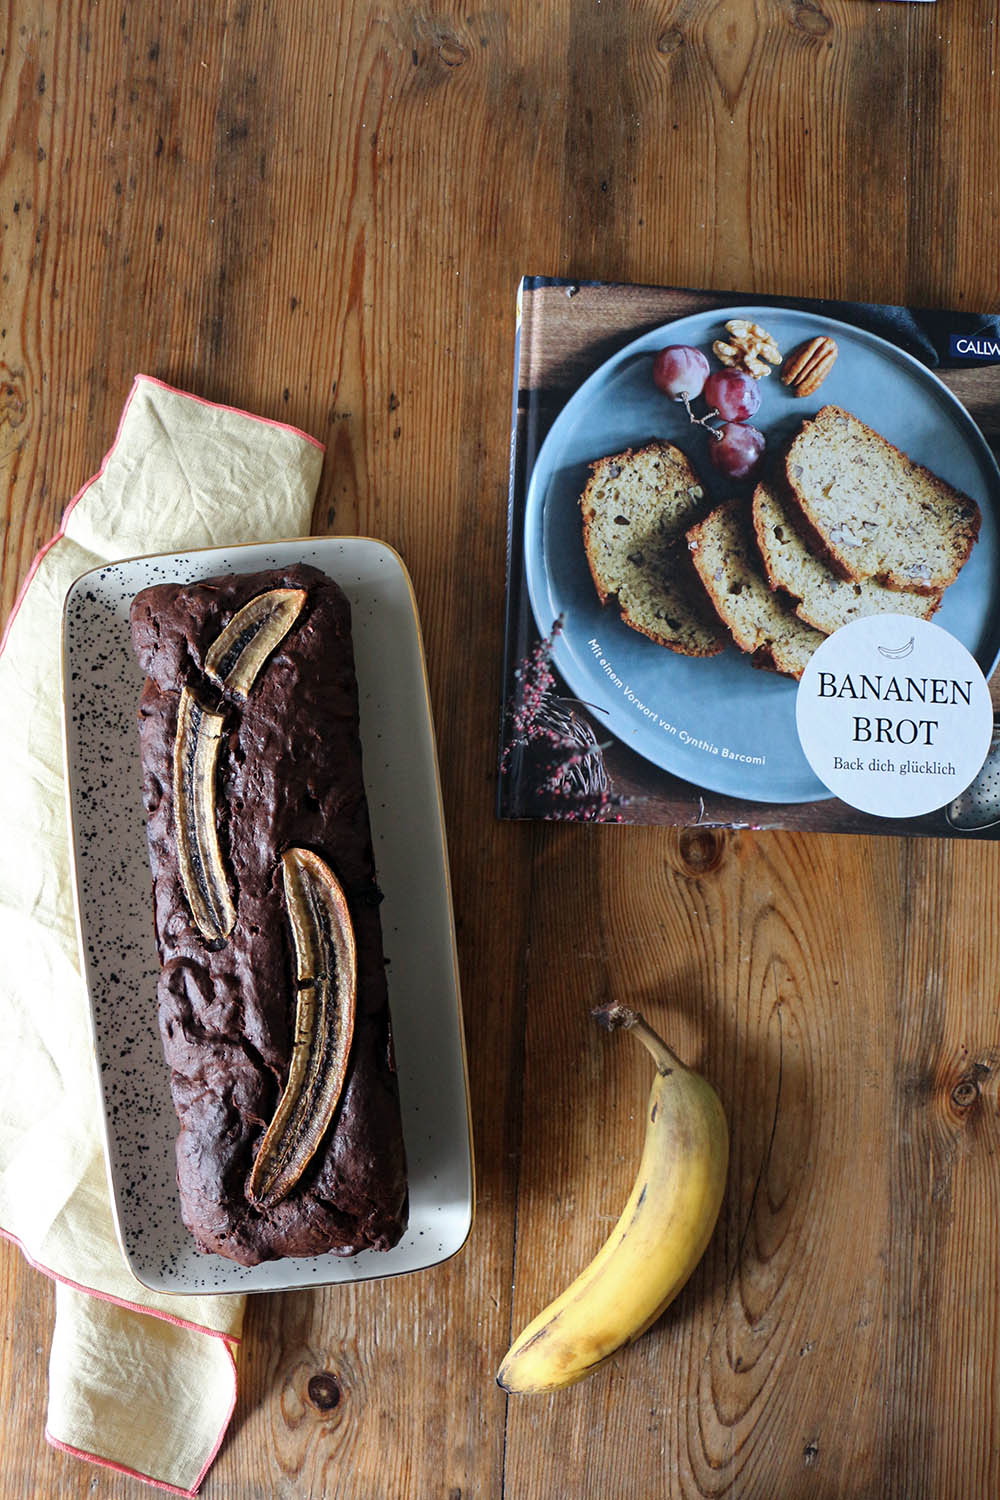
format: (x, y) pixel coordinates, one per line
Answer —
(272, 997)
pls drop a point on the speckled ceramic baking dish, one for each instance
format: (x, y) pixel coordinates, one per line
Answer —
(117, 949)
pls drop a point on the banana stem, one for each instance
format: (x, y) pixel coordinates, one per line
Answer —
(614, 1017)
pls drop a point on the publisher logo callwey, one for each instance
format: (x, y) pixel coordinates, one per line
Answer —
(983, 347)
(894, 715)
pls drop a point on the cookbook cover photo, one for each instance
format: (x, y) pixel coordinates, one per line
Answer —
(752, 570)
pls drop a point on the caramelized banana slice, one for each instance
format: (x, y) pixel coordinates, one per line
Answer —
(203, 875)
(326, 965)
(233, 661)
(237, 655)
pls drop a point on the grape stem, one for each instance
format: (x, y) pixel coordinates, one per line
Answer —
(704, 421)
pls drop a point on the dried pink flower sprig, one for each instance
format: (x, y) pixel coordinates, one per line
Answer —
(534, 680)
(559, 763)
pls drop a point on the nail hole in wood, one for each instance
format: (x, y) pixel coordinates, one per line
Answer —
(325, 1391)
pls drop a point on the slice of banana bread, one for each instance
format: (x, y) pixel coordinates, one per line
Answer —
(760, 621)
(820, 597)
(636, 507)
(876, 513)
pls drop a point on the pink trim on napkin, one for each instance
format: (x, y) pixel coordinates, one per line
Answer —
(160, 1484)
(106, 1463)
(236, 410)
(163, 385)
(229, 1340)
(138, 1307)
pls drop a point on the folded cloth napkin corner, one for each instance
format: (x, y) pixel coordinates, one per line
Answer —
(138, 1381)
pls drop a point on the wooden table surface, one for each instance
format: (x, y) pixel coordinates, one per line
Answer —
(320, 212)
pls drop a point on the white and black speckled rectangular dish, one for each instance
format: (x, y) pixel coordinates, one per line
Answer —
(102, 681)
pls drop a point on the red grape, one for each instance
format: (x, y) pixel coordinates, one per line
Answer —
(738, 451)
(734, 395)
(680, 372)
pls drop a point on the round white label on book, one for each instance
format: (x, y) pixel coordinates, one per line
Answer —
(894, 715)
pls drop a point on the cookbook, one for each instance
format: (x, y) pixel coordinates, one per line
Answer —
(753, 563)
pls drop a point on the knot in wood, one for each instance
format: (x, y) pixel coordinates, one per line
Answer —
(701, 850)
(808, 17)
(13, 397)
(968, 1089)
(668, 41)
(325, 1391)
(965, 1094)
(451, 52)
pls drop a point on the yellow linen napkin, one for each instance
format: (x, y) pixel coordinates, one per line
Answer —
(138, 1380)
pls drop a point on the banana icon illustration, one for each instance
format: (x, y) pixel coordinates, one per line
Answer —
(658, 1240)
(897, 652)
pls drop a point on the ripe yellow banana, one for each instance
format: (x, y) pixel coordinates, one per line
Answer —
(660, 1237)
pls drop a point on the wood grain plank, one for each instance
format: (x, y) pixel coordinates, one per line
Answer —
(25, 167)
(943, 1140)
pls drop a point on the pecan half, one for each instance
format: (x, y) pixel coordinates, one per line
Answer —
(807, 367)
(326, 972)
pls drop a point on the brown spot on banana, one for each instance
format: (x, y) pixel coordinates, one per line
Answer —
(326, 973)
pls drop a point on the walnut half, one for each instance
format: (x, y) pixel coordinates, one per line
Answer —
(749, 348)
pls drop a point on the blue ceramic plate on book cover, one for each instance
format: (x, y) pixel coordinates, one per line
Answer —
(102, 682)
(719, 722)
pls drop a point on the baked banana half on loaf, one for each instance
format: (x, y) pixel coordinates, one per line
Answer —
(272, 997)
